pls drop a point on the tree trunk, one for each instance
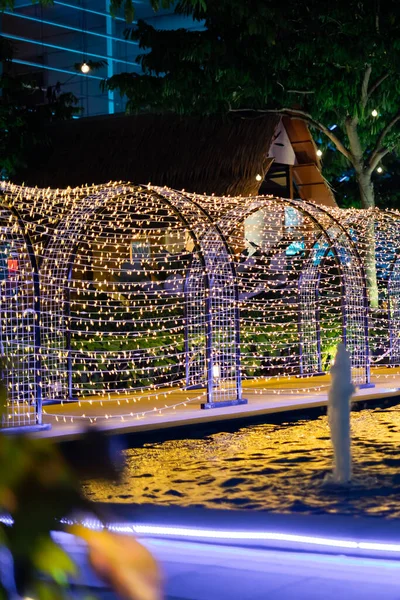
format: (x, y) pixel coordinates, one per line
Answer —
(368, 251)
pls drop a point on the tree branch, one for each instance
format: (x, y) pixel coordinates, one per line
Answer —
(378, 146)
(377, 83)
(307, 118)
(364, 87)
(295, 91)
(300, 92)
(354, 142)
(374, 161)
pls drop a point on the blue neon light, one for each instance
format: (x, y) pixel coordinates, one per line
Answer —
(69, 27)
(182, 532)
(29, 63)
(89, 10)
(64, 49)
(110, 66)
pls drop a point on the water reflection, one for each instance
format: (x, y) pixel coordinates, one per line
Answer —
(268, 467)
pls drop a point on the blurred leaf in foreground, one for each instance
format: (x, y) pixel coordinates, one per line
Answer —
(127, 566)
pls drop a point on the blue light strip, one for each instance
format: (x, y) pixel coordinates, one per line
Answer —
(110, 66)
(215, 534)
(64, 49)
(68, 27)
(184, 532)
(88, 10)
(28, 63)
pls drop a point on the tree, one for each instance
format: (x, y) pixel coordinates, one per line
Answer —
(22, 118)
(334, 65)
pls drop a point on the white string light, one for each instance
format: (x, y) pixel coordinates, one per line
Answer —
(85, 68)
(126, 307)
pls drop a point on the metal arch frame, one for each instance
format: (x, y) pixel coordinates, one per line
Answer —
(315, 282)
(103, 194)
(36, 307)
(67, 316)
(393, 310)
(363, 380)
(305, 369)
(234, 279)
(309, 209)
(236, 292)
(393, 326)
(51, 383)
(367, 383)
(193, 380)
(213, 389)
(207, 292)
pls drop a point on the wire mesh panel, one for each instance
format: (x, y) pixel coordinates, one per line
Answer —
(394, 312)
(353, 293)
(309, 322)
(113, 295)
(384, 225)
(195, 325)
(220, 324)
(18, 326)
(55, 284)
(351, 290)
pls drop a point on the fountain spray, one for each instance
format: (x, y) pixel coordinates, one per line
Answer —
(339, 397)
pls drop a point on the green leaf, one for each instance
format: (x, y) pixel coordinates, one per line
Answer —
(52, 560)
(129, 11)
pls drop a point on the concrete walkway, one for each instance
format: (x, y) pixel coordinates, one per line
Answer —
(176, 407)
(204, 571)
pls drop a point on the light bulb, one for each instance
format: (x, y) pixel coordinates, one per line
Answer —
(374, 113)
(379, 169)
(319, 152)
(258, 177)
(85, 68)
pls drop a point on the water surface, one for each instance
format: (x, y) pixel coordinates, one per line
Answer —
(268, 467)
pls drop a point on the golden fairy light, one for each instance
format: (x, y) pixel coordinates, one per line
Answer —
(126, 276)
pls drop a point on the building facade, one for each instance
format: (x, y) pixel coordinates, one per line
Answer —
(51, 42)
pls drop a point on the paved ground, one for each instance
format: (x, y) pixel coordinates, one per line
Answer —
(170, 408)
(204, 572)
(194, 571)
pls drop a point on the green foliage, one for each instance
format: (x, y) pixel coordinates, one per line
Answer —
(344, 183)
(39, 486)
(21, 120)
(9, 4)
(322, 49)
(333, 62)
(36, 492)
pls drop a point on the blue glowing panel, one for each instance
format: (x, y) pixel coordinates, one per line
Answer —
(295, 248)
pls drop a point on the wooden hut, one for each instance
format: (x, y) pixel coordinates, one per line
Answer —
(213, 155)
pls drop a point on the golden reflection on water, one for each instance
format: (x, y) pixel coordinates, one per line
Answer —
(267, 467)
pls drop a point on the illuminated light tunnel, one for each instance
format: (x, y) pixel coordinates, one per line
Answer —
(146, 290)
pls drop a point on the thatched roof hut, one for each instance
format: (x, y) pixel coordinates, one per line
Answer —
(210, 154)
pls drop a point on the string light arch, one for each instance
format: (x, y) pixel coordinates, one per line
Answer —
(384, 319)
(19, 324)
(136, 321)
(92, 288)
(391, 258)
(323, 235)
